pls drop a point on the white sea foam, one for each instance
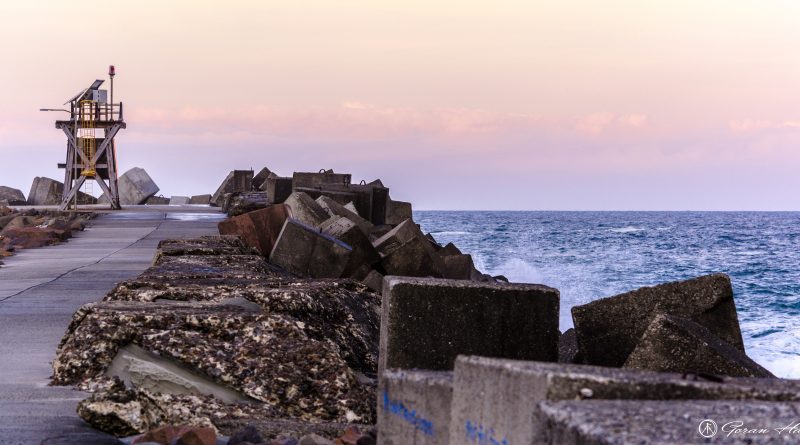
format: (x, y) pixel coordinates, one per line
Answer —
(446, 233)
(519, 271)
(627, 229)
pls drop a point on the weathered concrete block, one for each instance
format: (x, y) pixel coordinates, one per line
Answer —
(394, 238)
(260, 177)
(153, 200)
(48, 192)
(397, 211)
(345, 230)
(259, 229)
(200, 200)
(450, 249)
(305, 209)
(334, 208)
(674, 344)
(236, 181)
(277, 188)
(374, 280)
(414, 258)
(178, 200)
(426, 323)
(305, 251)
(602, 422)
(12, 196)
(351, 207)
(321, 179)
(609, 329)
(458, 267)
(568, 347)
(143, 369)
(501, 395)
(414, 407)
(135, 186)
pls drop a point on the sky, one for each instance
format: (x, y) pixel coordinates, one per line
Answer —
(502, 105)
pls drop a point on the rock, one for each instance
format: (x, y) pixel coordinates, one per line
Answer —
(258, 229)
(673, 344)
(374, 280)
(314, 439)
(333, 208)
(609, 329)
(426, 323)
(414, 407)
(458, 267)
(237, 181)
(154, 200)
(304, 251)
(568, 347)
(449, 250)
(120, 412)
(397, 212)
(349, 437)
(135, 187)
(322, 179)
(413, 258)
(200, 200)
(260, 178)
(305, 209)
(197, 436)
(179, 200)
(362, 253)
(11, 196)
(247, 434)
(32, 237)
(277, 189)
(164, 435)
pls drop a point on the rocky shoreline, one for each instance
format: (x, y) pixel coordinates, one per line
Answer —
(27, 229)
(323, 314)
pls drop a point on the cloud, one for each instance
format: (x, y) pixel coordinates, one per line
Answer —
(752, 125)
(596, 123)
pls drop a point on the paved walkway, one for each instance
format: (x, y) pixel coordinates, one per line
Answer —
(39, 291)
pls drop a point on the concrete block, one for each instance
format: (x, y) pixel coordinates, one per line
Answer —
(142, 369)
(178, 200)
(568, 347)
(374, 280)
(414, 258)
(426, 323)
(259, 178)
(414, 407)
(236, 181)
(12, 196)
(154, 200)
(458, 267)
(450, 249)
(602, 422)
(200, 200)
(304, 209)
(351, 207)
(277, 188)
(320, 180)
(609, 329)
(333, 208)
(397, 211)
(305, 251)
(345, 230)
(259, 229)
(135, 187)
(674, 344)
(501, 395)
(48, 192)
(397, 236)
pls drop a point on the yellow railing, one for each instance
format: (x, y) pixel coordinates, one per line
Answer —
(86, 139)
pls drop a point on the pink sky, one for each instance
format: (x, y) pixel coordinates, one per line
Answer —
(679, 105)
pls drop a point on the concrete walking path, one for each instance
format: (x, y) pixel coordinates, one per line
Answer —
(40, 289)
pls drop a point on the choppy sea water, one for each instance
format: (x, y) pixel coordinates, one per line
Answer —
(590, 255)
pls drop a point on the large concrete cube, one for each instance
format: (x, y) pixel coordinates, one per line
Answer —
(426, 323)
(135, 187)
(305, 251)
(200, 200)
(609, 329)
(414, 407)
(237, 181)
(603, 422)
(502, 395)
(178, 200)
(11, 196)
(277, 189)
(334, 208)
(345, 230)
(395, 237)
(259, 228)
(305, 209)
(260, 177)
(397, 212)
(48, 192)
(320, 180)
(414, 258)
(674, 344)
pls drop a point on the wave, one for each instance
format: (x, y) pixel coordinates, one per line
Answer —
(627, 229)
(449, 233)
(518, 270)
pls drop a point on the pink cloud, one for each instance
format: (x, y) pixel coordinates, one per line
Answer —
(751, 125)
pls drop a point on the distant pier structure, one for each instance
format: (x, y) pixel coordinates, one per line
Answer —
(93, 123)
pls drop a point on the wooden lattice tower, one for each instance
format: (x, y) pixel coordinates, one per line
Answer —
(91, 151)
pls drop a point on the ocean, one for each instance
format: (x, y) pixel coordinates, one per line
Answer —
(591, 255)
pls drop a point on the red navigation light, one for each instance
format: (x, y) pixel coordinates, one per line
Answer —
(111, 70)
